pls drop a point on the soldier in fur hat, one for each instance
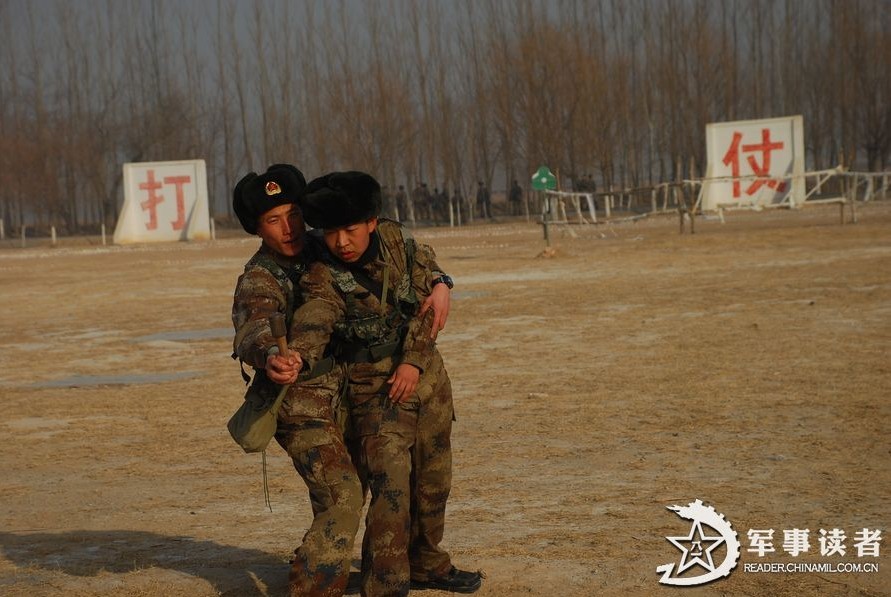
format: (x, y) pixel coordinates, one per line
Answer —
(363, 294)
(266, 205)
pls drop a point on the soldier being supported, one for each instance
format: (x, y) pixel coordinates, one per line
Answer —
(363, 294)
(265, 206)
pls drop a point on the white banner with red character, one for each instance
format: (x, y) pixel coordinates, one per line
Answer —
(164, 201)
(754, 163)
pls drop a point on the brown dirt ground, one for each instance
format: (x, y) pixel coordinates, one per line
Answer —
(746, 365)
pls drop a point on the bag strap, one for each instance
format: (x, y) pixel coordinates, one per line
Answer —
(274, 410)
(379, 289)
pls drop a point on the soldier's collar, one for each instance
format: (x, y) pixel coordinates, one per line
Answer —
(284, 261)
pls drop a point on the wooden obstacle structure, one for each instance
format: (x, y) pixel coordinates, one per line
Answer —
(685, 199)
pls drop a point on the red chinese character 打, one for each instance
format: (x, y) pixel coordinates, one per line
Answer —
(179, 181)
(153, 200)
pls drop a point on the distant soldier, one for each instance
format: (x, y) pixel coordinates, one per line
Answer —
(365, 293)
(515, 198)
(389, 202)
(483, 201)
(591, 187)
(440, 204)
(590, 184)
(420, 199)
(428, 202)
(401, 201)
(266, 206)
(458, 202)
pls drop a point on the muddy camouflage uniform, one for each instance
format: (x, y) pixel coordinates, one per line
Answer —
(306, 427)
(405, 448)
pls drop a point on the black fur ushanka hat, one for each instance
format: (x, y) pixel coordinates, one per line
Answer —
(340, 199)
(256, 194)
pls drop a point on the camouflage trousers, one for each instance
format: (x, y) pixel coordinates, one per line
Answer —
(308, 432)
(406, 455)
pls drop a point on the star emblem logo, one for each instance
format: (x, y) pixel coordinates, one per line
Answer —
(699, 545)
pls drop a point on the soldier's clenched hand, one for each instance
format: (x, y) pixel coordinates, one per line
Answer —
(403, 382)
(283, 370)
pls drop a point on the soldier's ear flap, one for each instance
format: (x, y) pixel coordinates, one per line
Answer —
(241, 205)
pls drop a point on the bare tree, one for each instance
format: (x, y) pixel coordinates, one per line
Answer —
(448, 93)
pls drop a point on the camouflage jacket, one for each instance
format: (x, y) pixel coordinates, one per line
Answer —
(267, 286)
(332, 296)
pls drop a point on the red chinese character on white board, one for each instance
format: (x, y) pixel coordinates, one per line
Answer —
(151, 204)
(731, 158)
(179, 181)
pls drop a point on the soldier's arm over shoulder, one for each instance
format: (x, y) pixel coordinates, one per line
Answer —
(313, 322)
(425, 269)
(396, 238)
(418, 346)
(258, 295)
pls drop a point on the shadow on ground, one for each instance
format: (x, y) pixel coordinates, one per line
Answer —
(231, 570)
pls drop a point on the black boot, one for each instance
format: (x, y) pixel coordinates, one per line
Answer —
(456, 581)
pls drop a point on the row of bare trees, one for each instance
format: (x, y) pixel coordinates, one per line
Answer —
(444, 92)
